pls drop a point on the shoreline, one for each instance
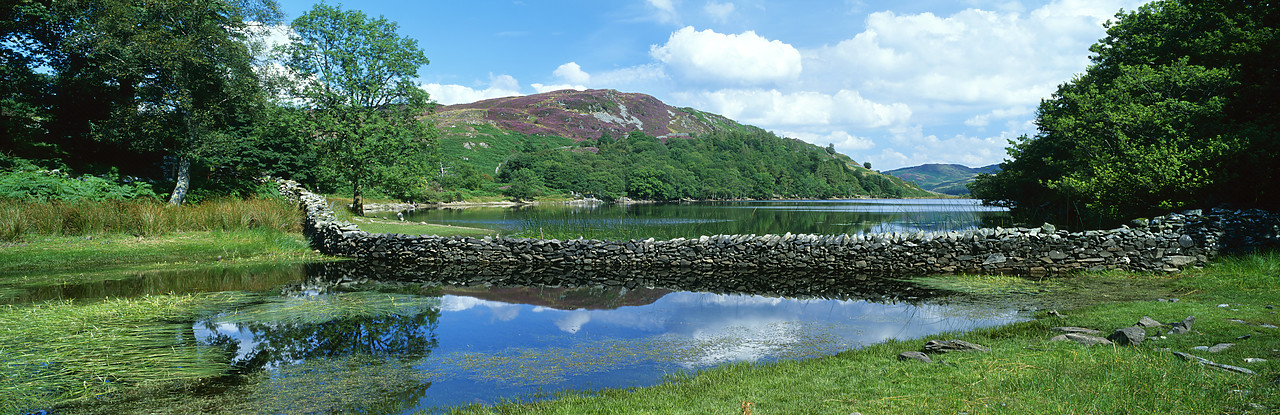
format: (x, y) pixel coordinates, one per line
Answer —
(404, 206)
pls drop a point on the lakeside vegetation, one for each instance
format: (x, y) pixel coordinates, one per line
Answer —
(1174, 112)
(1151, 127)
(1024, 372)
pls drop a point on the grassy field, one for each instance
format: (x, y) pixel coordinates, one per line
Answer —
(1023, 373)
(111, 252)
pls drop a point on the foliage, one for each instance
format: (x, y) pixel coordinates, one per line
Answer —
(723, 165)
(361, 101)
(1171, 114)
(184, 70)
(53, 185)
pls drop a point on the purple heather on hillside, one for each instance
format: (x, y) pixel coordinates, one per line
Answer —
(581, 115)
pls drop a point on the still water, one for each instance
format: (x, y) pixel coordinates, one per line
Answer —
(380, 338)
(334, 337)
(830, 217)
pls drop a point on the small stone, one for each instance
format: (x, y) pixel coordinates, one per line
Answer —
(1081, 338)
(1201, 348)
(1075, 330)
(1244, 337)
(1224, 305)
(1182, 327)
(1218, 348)
(1254, 360)
(953, 345)
(1271, 307)
(1235, 321)
(1128, 336)
(1055, 313)
(1147, 321)
(1185, 241)
(1267, 326)
(914, 355)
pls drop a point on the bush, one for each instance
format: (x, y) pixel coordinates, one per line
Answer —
(54, 185)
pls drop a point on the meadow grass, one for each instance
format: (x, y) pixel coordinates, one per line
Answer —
(59, 255)
(1024, 372)
(21, 220)
(374, 225)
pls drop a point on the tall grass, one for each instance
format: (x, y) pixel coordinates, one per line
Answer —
(63, 350)
(22, 219)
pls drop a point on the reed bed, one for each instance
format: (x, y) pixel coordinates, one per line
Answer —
(22, 219)
(61, 351)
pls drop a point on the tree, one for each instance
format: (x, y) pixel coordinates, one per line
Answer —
(184, 69)
(354, 75)
(1167, 117)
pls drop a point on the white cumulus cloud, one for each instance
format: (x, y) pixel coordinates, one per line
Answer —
(743, 59)
(499, 86)
(775, 108)
(572, 73)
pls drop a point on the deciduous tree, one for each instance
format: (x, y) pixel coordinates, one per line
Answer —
(354, 76)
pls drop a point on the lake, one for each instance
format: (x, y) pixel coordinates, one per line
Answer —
(333, 337)
(670, 220)
(355, 336)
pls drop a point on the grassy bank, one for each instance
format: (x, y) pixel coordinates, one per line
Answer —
(375, 225)
(1023, 372)
(22, 220)
(71, 260)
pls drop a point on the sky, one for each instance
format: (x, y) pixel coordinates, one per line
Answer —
(895, 83)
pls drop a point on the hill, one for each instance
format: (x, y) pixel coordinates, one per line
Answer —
(611, 144)
(943, 178)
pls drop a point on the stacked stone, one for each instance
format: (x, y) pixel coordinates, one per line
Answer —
(1169, 244)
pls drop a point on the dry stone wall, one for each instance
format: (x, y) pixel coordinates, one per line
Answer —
(1164, 244)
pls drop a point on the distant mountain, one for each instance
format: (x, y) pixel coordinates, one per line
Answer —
(943, 178)
(613, 144)
(583, 115)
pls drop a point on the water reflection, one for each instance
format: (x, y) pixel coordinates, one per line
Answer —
(746, 217)
(506, 334)
(372, 337)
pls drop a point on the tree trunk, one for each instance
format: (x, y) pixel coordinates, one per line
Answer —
(357, 201)
(184, 181)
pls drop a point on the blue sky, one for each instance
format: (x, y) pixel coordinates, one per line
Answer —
(897, 83)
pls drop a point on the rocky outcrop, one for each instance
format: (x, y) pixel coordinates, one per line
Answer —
(1169, 244)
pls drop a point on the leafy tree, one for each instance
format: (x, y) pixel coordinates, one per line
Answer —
(1167, 116)
(183, 69)
(355, 77)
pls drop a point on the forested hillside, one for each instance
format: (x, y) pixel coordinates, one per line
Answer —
(610, 145)
(951, 179)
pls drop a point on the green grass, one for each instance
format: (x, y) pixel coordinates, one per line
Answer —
(22, 220)
(51, 256)
(64, 351)
(1024, 372)
(375, 225)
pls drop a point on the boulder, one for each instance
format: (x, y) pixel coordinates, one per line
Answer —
(1128, 336)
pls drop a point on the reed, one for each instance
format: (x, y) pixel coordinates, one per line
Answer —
(143, 218)
(64, 351)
